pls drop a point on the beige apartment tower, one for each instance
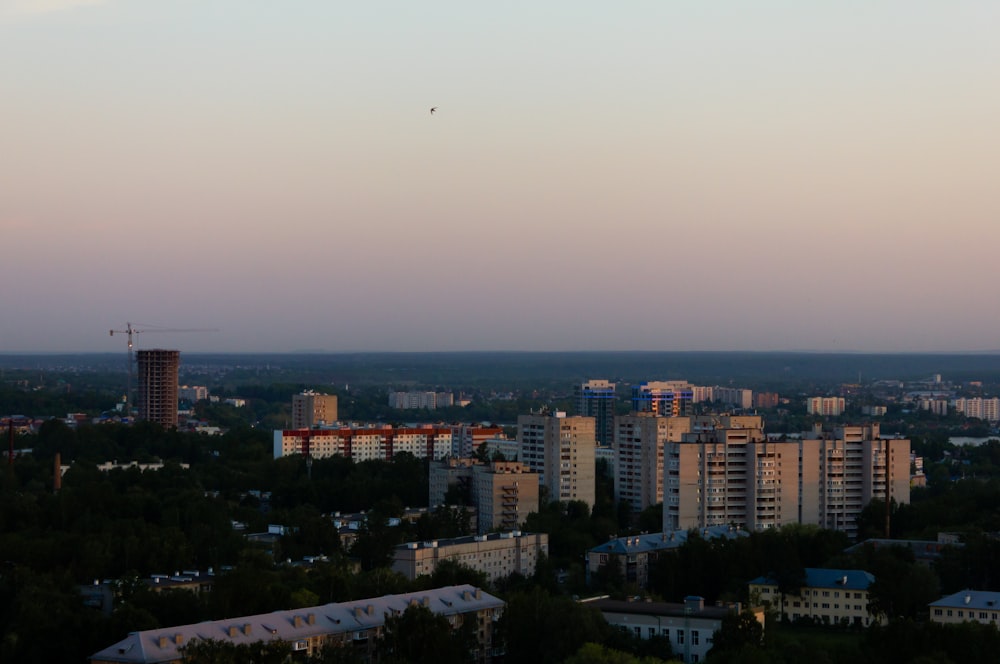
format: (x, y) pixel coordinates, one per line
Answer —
(504, 493)
(638, 445)
(158, 371)
(310, 410)
(562, 451)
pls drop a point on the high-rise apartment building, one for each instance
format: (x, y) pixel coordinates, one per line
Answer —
(311, 410)
(504, 493)
(638, 444)
(843, 470)
(826, 406)
(158, 371)
(665, 398)
(737, 476)
(561, 450)
(596, 398)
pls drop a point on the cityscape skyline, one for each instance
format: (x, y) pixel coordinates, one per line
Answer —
(765, 177)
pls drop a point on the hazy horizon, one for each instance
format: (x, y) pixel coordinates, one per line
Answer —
(645, 176)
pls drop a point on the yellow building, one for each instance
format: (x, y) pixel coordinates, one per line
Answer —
(967, 606)
(498, 555)
(827, 596)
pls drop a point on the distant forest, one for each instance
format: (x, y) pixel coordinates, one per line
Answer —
(542, 370)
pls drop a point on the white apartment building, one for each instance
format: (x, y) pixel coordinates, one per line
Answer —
(192, 393)
(689, 626)
(983, 409)
(417, 400)
(562, 451)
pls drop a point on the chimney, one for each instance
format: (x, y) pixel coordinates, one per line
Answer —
(247, 628)
(179, 639)
(162, 642)
(371, 609)
(311, 618)
(232, 631)
(297, 621)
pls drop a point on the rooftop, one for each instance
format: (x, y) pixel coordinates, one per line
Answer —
(982, 600)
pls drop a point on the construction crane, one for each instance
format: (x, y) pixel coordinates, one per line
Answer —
(131, 330)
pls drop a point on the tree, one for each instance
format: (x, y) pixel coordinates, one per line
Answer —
(212, 651)
(417, 636)
(737, 632)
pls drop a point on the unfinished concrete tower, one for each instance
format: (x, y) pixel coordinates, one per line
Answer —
(158, 385)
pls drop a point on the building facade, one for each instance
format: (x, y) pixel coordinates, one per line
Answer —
(734, 474)
(497, 555)
(827, 596)
(365, 443)
(634, 555)
(967, 606)
(158, 370)
(672, 398)
(562, 451)
(597, 399)
(689, 626)
(639, 442)
(504, 494)
(311, 410)
(825, 406)
(356, 626)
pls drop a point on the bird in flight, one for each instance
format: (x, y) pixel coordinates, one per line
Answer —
(433, 108)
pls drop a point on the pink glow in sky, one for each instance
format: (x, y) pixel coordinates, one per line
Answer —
(639, 175)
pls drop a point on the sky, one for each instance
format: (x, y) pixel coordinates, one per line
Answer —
(654, 175)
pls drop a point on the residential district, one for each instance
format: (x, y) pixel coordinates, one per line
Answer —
(690, 473)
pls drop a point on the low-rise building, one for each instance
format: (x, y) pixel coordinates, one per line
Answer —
(689, 626)
(827, 596)
(498, 555)
(635, 554)
(355, 625)
(967, 606)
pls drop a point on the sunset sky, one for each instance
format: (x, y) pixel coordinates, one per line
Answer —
(598, 176)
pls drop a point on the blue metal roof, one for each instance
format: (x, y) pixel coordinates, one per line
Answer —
(817, 577)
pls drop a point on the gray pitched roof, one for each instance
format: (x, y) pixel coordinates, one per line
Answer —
(163, 645)
(979, 600)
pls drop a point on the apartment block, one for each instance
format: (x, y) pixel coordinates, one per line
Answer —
(562, 451)
(498, 555)
(734, 474)
(825, 406)
(355, 626)
(597, 399)
(638, 446)
(730, 476)
(416, 400)
(466, 438)
(635, 554)
(843, 470)
(983, 409)
(689, 626)
(667, 398)
(967, 606)
(312, 410)
(828, 596)
(502, 492)
(365, 443)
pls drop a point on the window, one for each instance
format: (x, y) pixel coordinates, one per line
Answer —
(694, 637)
(680, 637)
